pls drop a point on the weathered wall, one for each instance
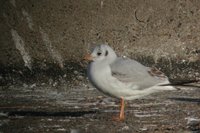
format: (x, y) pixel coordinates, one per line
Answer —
(43, 32)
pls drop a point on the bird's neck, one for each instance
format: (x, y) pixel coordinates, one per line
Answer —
(99, 67)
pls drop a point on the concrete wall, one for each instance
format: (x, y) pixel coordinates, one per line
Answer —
(164, 33)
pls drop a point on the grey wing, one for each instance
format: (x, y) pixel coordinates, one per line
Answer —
(127, 70)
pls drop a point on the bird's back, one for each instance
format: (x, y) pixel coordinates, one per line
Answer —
(131, 71)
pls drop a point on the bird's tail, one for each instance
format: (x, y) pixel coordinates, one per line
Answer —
(187, 83)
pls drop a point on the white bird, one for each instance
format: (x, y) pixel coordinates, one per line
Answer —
(123, 78)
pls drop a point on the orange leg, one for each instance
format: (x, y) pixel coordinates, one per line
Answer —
(121, 115)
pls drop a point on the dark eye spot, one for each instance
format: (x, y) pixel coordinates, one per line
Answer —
(99, 53)
(106, 53)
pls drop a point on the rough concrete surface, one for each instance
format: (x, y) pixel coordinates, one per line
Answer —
(46, 108)
(163, 33)
(42, 76)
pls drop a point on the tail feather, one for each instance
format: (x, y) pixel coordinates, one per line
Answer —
(182, 83)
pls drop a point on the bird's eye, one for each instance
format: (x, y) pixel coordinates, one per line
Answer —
(99, 53)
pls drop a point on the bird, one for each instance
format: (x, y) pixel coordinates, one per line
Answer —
(123, 78)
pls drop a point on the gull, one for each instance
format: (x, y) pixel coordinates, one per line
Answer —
(123, 78)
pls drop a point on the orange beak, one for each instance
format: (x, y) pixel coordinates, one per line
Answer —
(88, 57)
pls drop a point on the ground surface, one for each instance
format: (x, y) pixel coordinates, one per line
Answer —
(77, 109)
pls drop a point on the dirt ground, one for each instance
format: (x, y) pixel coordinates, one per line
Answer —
(82, 109)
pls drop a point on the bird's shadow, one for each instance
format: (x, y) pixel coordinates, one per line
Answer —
(48, 114)
(186, 99)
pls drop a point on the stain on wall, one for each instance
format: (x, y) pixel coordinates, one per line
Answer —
(20, 45)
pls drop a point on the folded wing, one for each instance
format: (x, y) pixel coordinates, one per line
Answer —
(131, 71)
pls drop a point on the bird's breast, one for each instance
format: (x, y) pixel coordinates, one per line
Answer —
(99, 76)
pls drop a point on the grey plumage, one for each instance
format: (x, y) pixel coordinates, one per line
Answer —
(127, 70)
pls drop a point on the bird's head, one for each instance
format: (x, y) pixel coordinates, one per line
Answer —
(101, 53)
